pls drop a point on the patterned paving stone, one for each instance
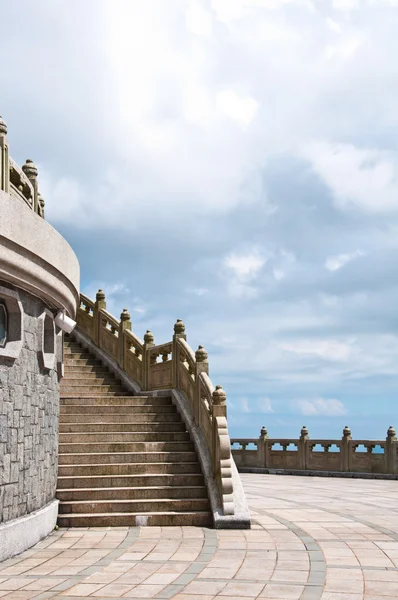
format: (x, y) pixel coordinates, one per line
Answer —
(312, 539)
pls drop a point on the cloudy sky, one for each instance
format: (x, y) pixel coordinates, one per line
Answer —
(233, 163)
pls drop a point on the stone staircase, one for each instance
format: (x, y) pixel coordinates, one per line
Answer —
(124, 460)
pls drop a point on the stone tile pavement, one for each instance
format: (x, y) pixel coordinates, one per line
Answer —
(312, 539)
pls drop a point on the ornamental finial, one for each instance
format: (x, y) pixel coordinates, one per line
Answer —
(30, 169)
(3, 126)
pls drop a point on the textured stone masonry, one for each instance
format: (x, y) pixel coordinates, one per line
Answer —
(29, 405)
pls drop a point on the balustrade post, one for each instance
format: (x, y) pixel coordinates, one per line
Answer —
(346, 450)
(202, 366)
(4, 161)
(179, 332)
(262, 446)
(302, 448)
(100, 303)
(125, 324)
(30, 170)
(219, 410)
(41, 205)
(391, 450)
(149, 342)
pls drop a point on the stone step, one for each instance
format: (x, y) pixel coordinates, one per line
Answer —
(79, 458)
(90, 379)
(90, 388)
(117, 447)
(130, 481)
(155, 519)
(78, 362)
(122, 436)
(133, 494)
(69, 355)
(85, 397)
(122, 469)
(87, 369)
(120, 400)
(109, 409)
(122, 427)
(136, 417)
(134, 506)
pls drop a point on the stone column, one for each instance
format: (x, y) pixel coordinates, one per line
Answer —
(149, 342)
(391, 450)
(4, 164)
(100, 303)
(179, 332)
(202, 366)
(303, 448)
(262, 448)
(219, 410)
(125, 324)
(346, 450)
(30, 170)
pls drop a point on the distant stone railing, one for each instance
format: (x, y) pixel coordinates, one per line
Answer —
(305, 454)
(19, 182)
(172, 365)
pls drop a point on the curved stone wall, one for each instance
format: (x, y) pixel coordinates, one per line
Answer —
(29, 404)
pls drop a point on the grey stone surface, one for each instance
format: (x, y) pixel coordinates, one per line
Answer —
(29, 405)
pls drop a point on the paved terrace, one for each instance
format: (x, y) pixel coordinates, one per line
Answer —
(312, 539)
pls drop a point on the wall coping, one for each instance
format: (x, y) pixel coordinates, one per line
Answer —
(36, 258)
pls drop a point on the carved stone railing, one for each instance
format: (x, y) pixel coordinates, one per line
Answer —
(21, 183)
(173, 365)
(305, 454)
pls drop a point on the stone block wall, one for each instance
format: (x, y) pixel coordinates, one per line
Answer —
(29, 406)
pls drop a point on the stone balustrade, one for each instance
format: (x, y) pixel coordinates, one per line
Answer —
(305, 454)
(21, 183)
(173, 365)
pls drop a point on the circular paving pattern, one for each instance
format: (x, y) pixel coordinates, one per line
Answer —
(312, 539)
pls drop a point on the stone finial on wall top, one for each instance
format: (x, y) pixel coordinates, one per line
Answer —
(391, 433)
(219, 396)
(179, 327)
(264, 432)
(3, 126)
(304, 431)
(346, 432)
(125, 315)
(100, 295)
(201, 354)
(30, 169)
(149, 337)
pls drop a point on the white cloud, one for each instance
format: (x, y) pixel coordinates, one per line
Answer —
(365, 179)
(334, 263)
(278, 274)
(240, 109)
(244, 405)
(321, 407)
(231, 10)
(325, 349)
(198, 19)
(245, 266)
(345, 5)
(198, 291)
(262, 405)
(241, 272)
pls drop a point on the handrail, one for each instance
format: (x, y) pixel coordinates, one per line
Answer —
(19, 182)
(172, 365)
(304, 456)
